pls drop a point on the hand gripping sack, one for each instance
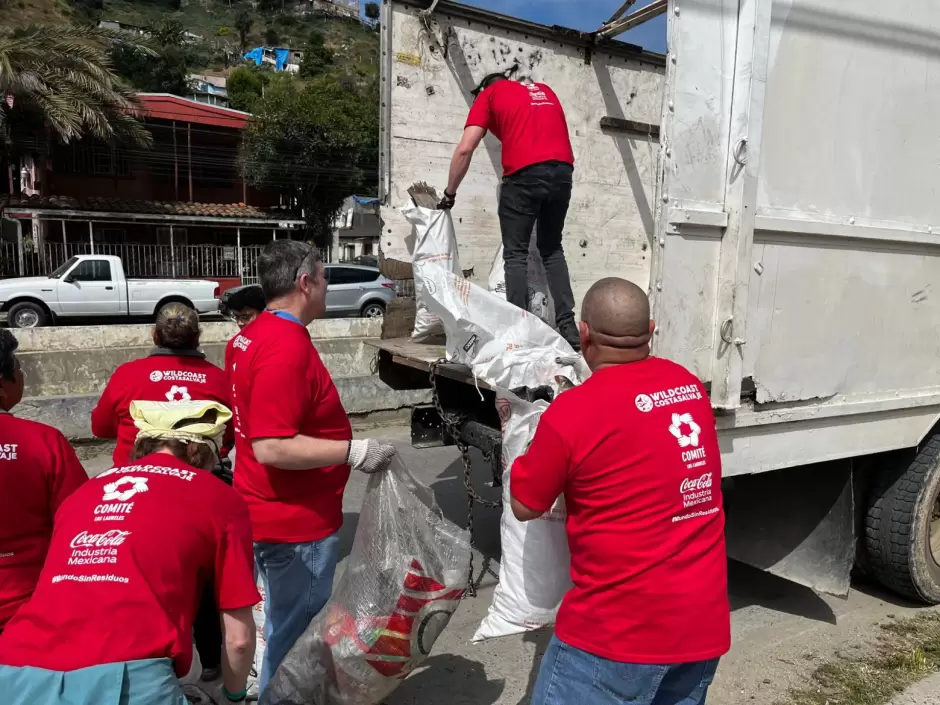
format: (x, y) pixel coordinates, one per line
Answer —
(435, 245)
(539, 298)
(404, 579)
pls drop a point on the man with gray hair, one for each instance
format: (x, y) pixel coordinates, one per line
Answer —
(294, 445)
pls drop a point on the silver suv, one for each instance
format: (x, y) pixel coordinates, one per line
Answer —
(354, 290)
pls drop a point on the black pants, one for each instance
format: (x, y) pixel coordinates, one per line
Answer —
(537, 194)
(207, 631)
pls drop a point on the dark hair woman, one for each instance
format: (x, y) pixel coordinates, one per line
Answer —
(175, 370)
(111, 620)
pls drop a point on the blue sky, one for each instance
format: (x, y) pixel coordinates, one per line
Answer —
(585, 15)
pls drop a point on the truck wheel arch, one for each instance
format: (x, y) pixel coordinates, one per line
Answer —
(172, 300)
(39, 303)
(900, 514)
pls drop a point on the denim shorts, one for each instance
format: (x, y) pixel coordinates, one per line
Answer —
(129, 683)
(570, 676)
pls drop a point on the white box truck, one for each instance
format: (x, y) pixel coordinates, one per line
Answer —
(773, 181)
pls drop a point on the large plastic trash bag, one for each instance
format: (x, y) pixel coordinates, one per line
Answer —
(509, 348)
(535, 565)
(405, 577)
(436, 244)
(502, 344)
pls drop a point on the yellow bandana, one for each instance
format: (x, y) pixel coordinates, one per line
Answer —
(181, 420)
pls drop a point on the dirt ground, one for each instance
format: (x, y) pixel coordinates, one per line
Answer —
(781, 632)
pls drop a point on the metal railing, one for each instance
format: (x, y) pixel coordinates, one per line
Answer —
(140, 261)
(9, 260)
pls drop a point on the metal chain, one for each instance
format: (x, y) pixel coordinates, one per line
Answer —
(451, 422)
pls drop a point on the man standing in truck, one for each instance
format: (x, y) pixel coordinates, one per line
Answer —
(537, 166)
(648, 617)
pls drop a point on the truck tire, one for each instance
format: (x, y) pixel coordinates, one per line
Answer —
(27, 314)
(903, 520)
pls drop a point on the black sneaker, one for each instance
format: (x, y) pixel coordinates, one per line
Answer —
(569, 331)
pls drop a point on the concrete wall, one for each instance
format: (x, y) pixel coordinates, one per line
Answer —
(67, 367)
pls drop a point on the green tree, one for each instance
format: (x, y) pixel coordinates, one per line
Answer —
(373, 13)
(166, 67)
(244, 87)
(271, 37)
(243, 22)
(317, 58)
(315, 143)
(60, 78)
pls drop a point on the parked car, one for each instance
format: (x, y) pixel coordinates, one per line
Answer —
(354, 290)
(95, 285)
(367, 260)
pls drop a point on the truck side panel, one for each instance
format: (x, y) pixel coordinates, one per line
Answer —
(429, 72)
(803, 267)
(691, 213)
(847, 203)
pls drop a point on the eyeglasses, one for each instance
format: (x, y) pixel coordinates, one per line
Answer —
(311, 251)
(243, 317)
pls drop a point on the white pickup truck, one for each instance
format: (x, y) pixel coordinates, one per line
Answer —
(95, 285)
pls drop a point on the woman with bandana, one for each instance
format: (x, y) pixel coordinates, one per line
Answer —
(110, 621)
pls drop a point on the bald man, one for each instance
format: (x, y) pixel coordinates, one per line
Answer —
(635, 452)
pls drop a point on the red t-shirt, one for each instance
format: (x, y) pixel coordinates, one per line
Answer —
(280, 389)
(130, 555)
(38, 470)
(635, 451)
(529, 121)
(158, 377)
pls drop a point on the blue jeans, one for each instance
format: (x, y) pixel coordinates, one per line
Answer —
(298, 580)
(570, 676)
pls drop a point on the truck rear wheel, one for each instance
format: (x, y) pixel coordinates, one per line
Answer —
(902, 526)
(26, 314)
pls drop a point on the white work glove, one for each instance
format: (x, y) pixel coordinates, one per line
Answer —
(370, 456)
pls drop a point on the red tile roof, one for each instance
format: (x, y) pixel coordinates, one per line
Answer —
(120, 205)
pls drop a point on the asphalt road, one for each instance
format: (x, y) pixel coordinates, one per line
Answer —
(780, 631)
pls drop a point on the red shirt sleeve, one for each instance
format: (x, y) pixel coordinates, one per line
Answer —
(281, 393)
(539, 476)
(480, 111)
(66, 474)
(235, 585)
(104, 417)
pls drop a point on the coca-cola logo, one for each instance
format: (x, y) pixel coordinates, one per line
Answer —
(115, 537)
(694, 484)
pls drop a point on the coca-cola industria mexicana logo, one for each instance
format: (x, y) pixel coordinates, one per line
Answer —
(109, 539)
(695, 484)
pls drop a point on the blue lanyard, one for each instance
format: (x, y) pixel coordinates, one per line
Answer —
(287, 316)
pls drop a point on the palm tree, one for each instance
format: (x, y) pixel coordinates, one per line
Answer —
(59, 78)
